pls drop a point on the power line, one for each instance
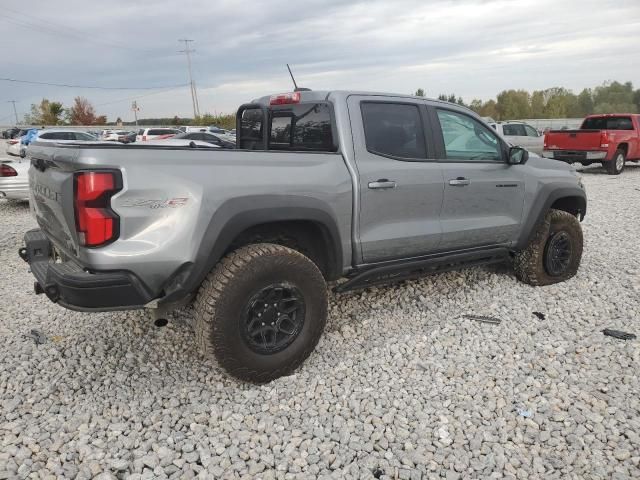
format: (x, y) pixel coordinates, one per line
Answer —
(47, 26)
(140, 96)
(33, 82)
(194, 95)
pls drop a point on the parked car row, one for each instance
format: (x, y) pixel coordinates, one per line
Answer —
(18, 146)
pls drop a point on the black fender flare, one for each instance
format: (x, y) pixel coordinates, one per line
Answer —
(237, 215)
(546, 197)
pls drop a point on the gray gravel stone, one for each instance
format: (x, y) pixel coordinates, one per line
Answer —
(400, 385)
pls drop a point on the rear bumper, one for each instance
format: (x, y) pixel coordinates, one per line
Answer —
(577, 156)
(14, 187)
(71, 286)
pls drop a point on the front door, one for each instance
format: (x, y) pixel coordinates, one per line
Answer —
(401, 185)
(483, 194)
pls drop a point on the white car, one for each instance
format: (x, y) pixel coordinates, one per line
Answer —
(113, 135)
(14, 179)
(15, 147)
(63, 135)
(145, 134)
(521, 134)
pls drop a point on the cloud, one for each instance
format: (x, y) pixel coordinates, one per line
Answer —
(473, 48)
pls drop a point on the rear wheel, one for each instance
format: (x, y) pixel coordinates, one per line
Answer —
(554, 253)
(616, 165)
(261, 311)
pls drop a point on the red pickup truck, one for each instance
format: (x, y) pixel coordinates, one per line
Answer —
(611, 139)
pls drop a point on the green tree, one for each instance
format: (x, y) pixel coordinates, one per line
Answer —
(223, 121)
(476, 105)
(585, 102)
(45, 113)
(537, 104)
(514, 104)
(490, 109)
(614, 97)
(420, 92)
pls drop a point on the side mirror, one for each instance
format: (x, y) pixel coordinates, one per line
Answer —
(518, 156)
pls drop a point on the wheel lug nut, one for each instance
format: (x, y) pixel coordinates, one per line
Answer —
(263, 324)
(259, 314)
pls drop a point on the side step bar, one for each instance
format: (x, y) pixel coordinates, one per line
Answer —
(409, 269)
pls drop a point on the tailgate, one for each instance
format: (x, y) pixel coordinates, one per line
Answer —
(572, 140)
(51, 194)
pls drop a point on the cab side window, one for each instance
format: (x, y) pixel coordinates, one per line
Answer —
(394, 130)
(513, 130)
(467, 139)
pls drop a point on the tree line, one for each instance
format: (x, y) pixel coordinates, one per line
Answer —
(82, 112)
(47, 112)
(556, 102)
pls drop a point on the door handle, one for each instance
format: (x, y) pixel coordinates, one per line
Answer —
(382, 183)
(459, 182)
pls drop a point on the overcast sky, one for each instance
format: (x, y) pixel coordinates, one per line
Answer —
(473, 48)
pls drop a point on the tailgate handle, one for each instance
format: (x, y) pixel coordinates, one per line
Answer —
(573, 135)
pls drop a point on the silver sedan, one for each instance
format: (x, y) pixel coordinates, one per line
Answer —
(14, 178)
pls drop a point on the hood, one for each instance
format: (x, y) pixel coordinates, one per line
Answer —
(548, 164)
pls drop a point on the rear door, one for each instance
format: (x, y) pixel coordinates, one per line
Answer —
(483, 195)
(401, 185)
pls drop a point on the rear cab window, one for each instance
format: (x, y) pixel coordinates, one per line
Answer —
(608, 123)
(291, 127)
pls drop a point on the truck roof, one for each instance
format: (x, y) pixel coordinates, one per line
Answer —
(601, 115)
(324, 95)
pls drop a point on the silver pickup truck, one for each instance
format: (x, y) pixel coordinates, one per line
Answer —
(322, 185)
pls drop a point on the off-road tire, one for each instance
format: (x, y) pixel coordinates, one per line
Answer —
(225, 293)
(529, 264)
(612, 167)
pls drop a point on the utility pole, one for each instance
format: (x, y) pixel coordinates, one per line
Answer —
(134, 107)
(15, 112)
(194, 95)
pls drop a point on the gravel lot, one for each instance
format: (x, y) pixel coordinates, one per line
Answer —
(400, 386)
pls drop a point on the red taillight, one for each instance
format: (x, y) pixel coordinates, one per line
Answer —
(13, 142)
(96, 223)
(604, 140)
(7, 171)
(285, 98)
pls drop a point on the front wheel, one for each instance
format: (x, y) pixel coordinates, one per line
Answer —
(554, 253)
(261, 311)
